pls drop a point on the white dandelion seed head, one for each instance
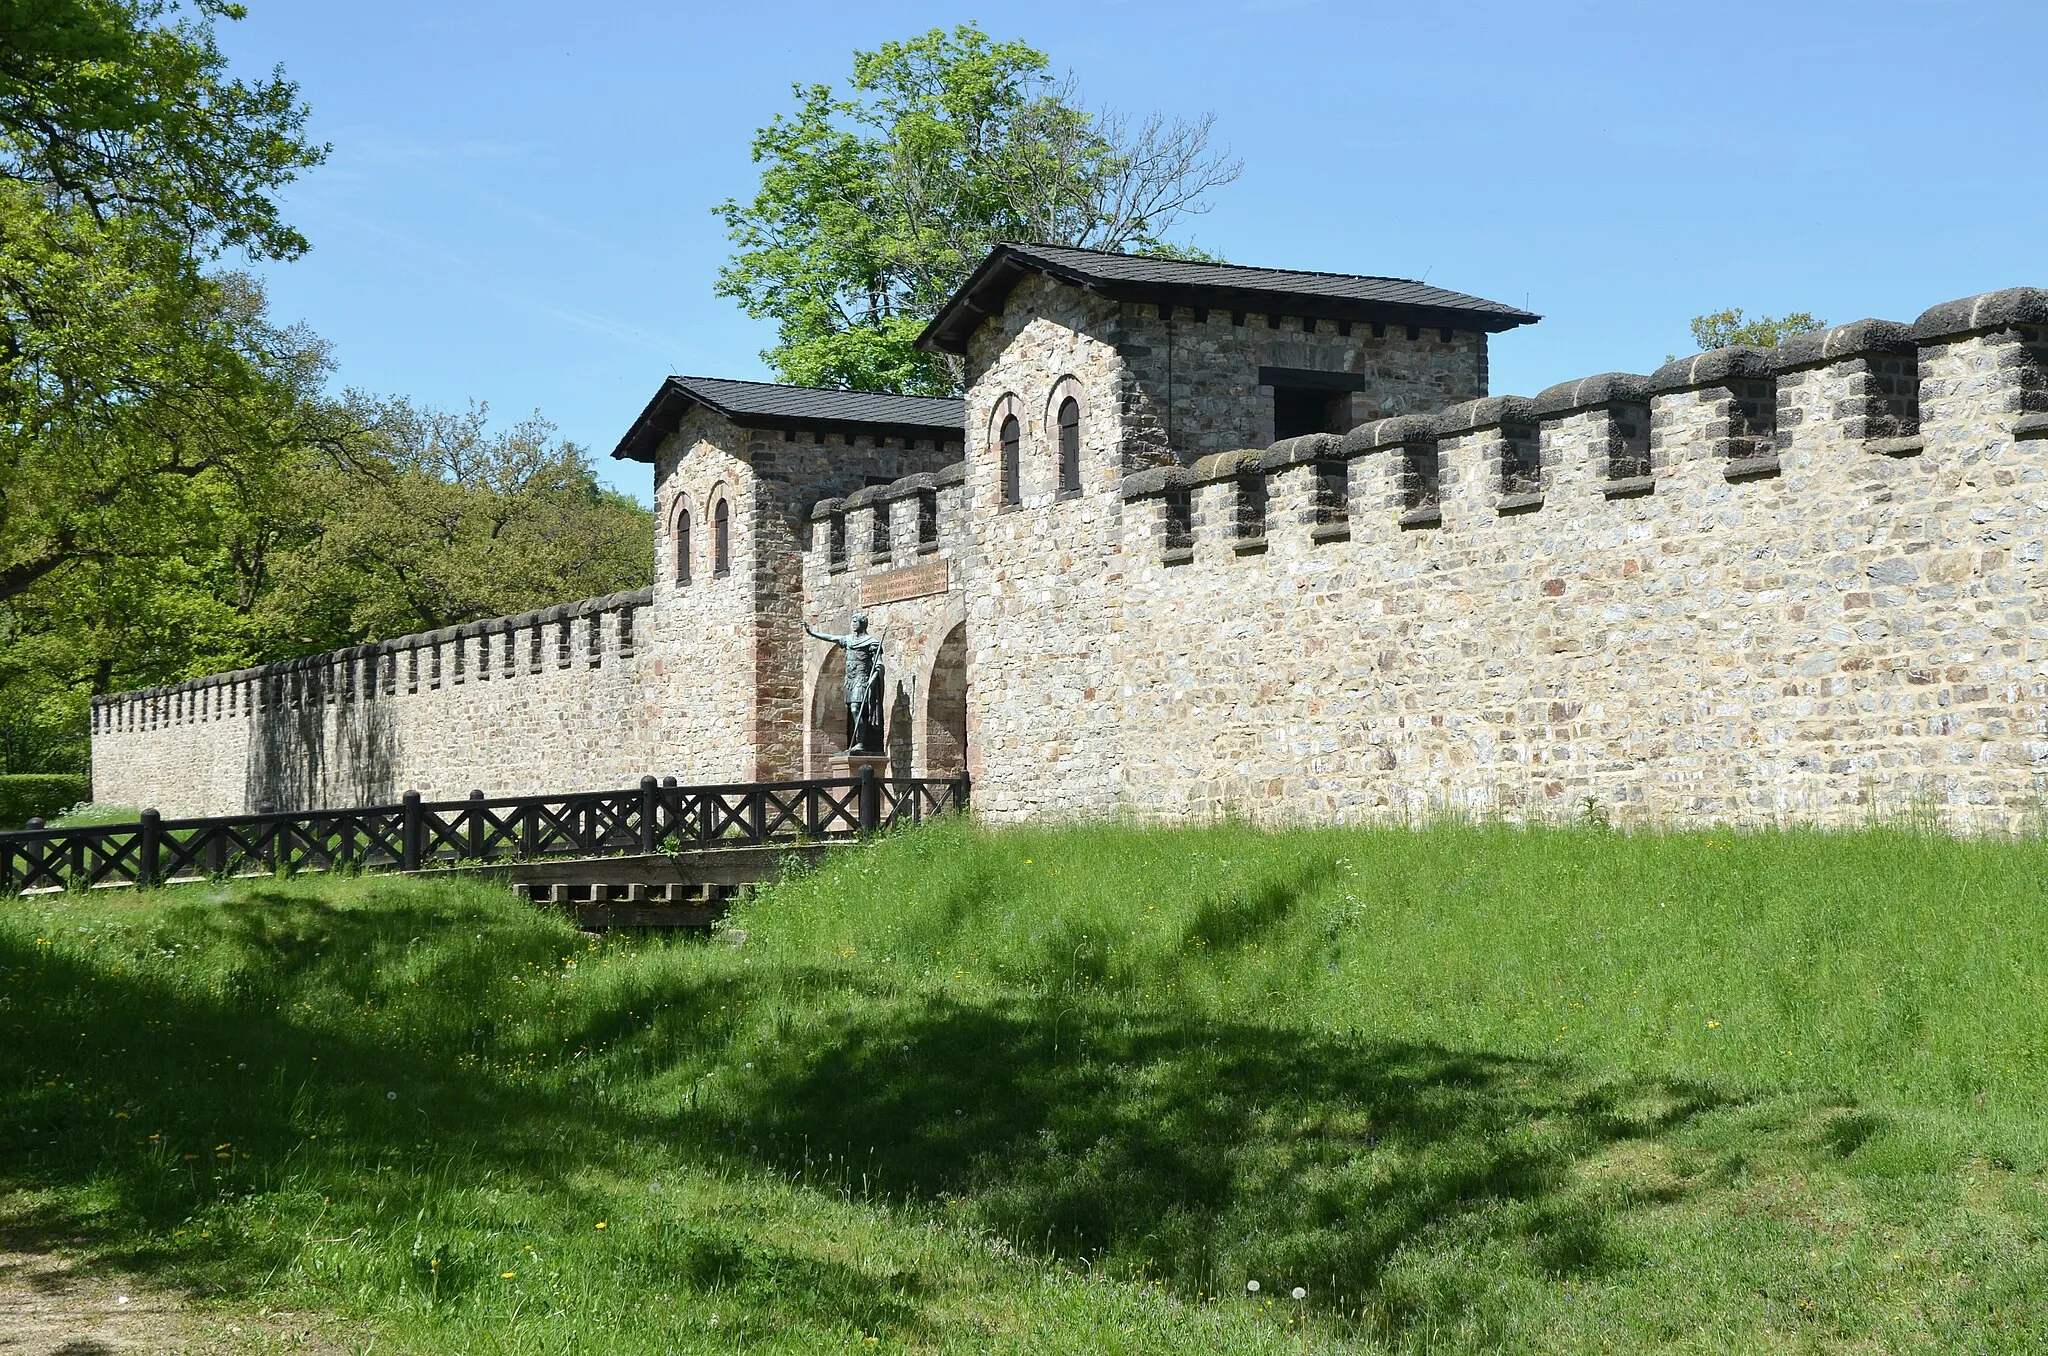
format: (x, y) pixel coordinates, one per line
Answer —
(1300, 1293)
(390, 1096)
(1252, 1287)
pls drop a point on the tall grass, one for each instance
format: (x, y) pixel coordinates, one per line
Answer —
(1473, 1088)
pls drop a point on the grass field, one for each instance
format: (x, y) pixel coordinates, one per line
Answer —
(1473, 1088)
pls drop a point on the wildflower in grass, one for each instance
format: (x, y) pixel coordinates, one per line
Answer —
(1251, 1287)
(600, 1224)
(507, 1275)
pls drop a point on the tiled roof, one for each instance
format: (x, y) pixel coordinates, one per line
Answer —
(762, 404)
(1137, 277)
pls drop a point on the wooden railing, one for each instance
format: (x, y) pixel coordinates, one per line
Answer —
(416, 834)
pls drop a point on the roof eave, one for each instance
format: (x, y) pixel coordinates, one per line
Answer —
(665, 411)
(956, 321)
(643, 437)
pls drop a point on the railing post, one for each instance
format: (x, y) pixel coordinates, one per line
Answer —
(414, 825)
(216, 850)
(870, 799)
(149, 850)
(650, 807)
(476, 826)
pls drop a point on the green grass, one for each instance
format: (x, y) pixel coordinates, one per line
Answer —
(1476, 1089)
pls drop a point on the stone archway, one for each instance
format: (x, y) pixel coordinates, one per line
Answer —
(945, 707)
(827, 728)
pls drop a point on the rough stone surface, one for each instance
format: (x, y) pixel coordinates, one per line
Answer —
(1799, 584)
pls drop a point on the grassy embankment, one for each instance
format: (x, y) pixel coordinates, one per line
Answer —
(1474, 1088)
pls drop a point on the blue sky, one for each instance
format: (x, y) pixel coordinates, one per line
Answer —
(518, 205)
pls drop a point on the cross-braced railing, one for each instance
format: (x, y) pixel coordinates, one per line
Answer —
(415, 833)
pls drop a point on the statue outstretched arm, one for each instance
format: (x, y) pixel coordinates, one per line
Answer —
(820, 635)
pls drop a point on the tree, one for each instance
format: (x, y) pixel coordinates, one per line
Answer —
(434, 519)
(872, 209)
(1720, 329)
(128, 160)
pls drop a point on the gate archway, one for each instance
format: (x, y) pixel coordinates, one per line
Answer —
(945, 707)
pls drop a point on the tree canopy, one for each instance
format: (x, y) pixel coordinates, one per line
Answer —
(874, 206)
(1721, 329)
(178, 492)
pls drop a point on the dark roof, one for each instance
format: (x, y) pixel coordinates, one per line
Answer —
(762, 404)
(1274, 291)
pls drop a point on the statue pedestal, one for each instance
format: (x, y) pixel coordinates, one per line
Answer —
(850, 764)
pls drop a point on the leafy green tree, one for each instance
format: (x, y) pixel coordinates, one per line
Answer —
(129, 158)
(874, 207)
(434, 519)
(1721, 329)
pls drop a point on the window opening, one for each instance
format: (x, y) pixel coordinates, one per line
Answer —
(835, 542)
(927, 518)
(1251, 508)
(1628, 442)
(1070, 446)
(721, 538)
(1333, 492)
(1178, 520)
(1012, 437)
(1521, 460)
(878, 535)
(1419, 478)
(683, 547)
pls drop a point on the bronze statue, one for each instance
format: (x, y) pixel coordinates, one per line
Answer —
(863, 685)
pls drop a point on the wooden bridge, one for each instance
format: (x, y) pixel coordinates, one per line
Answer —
(660, 855)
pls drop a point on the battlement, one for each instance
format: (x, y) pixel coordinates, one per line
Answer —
(1618, 435)
(588, 633)
(914, 515)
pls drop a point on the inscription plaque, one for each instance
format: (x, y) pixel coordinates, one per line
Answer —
(912, 581)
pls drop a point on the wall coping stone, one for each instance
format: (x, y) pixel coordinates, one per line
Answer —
(1739, 362)
(1985, 311)
(632, 600)
(901, 488)
(1227, 465)
(1591, 393)
(1853, 340)
(1155, 480)
(1487, 412)
(1302, 451)
(1400, 431)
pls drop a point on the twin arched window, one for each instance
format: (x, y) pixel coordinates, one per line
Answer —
(721, 539)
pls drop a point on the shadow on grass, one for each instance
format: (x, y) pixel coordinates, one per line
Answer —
(135, 1116)
(1206, 1152)
(1210, 1152)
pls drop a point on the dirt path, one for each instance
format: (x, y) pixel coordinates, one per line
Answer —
(50, 1306)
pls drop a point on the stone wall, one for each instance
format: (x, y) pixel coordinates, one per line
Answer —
(1819, 601)
(727, 685)
(545, 701)
(913, 594)
(1193, 375)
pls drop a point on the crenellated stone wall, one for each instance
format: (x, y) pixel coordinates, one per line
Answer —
(1818, 601)
(1756, 585)
(544, 701)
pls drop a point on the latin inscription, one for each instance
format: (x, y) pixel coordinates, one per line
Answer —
(912, 581)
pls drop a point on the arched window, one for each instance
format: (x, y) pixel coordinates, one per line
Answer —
(682, 547)
(721, 538)
(1070, 446)
(1013, 436)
